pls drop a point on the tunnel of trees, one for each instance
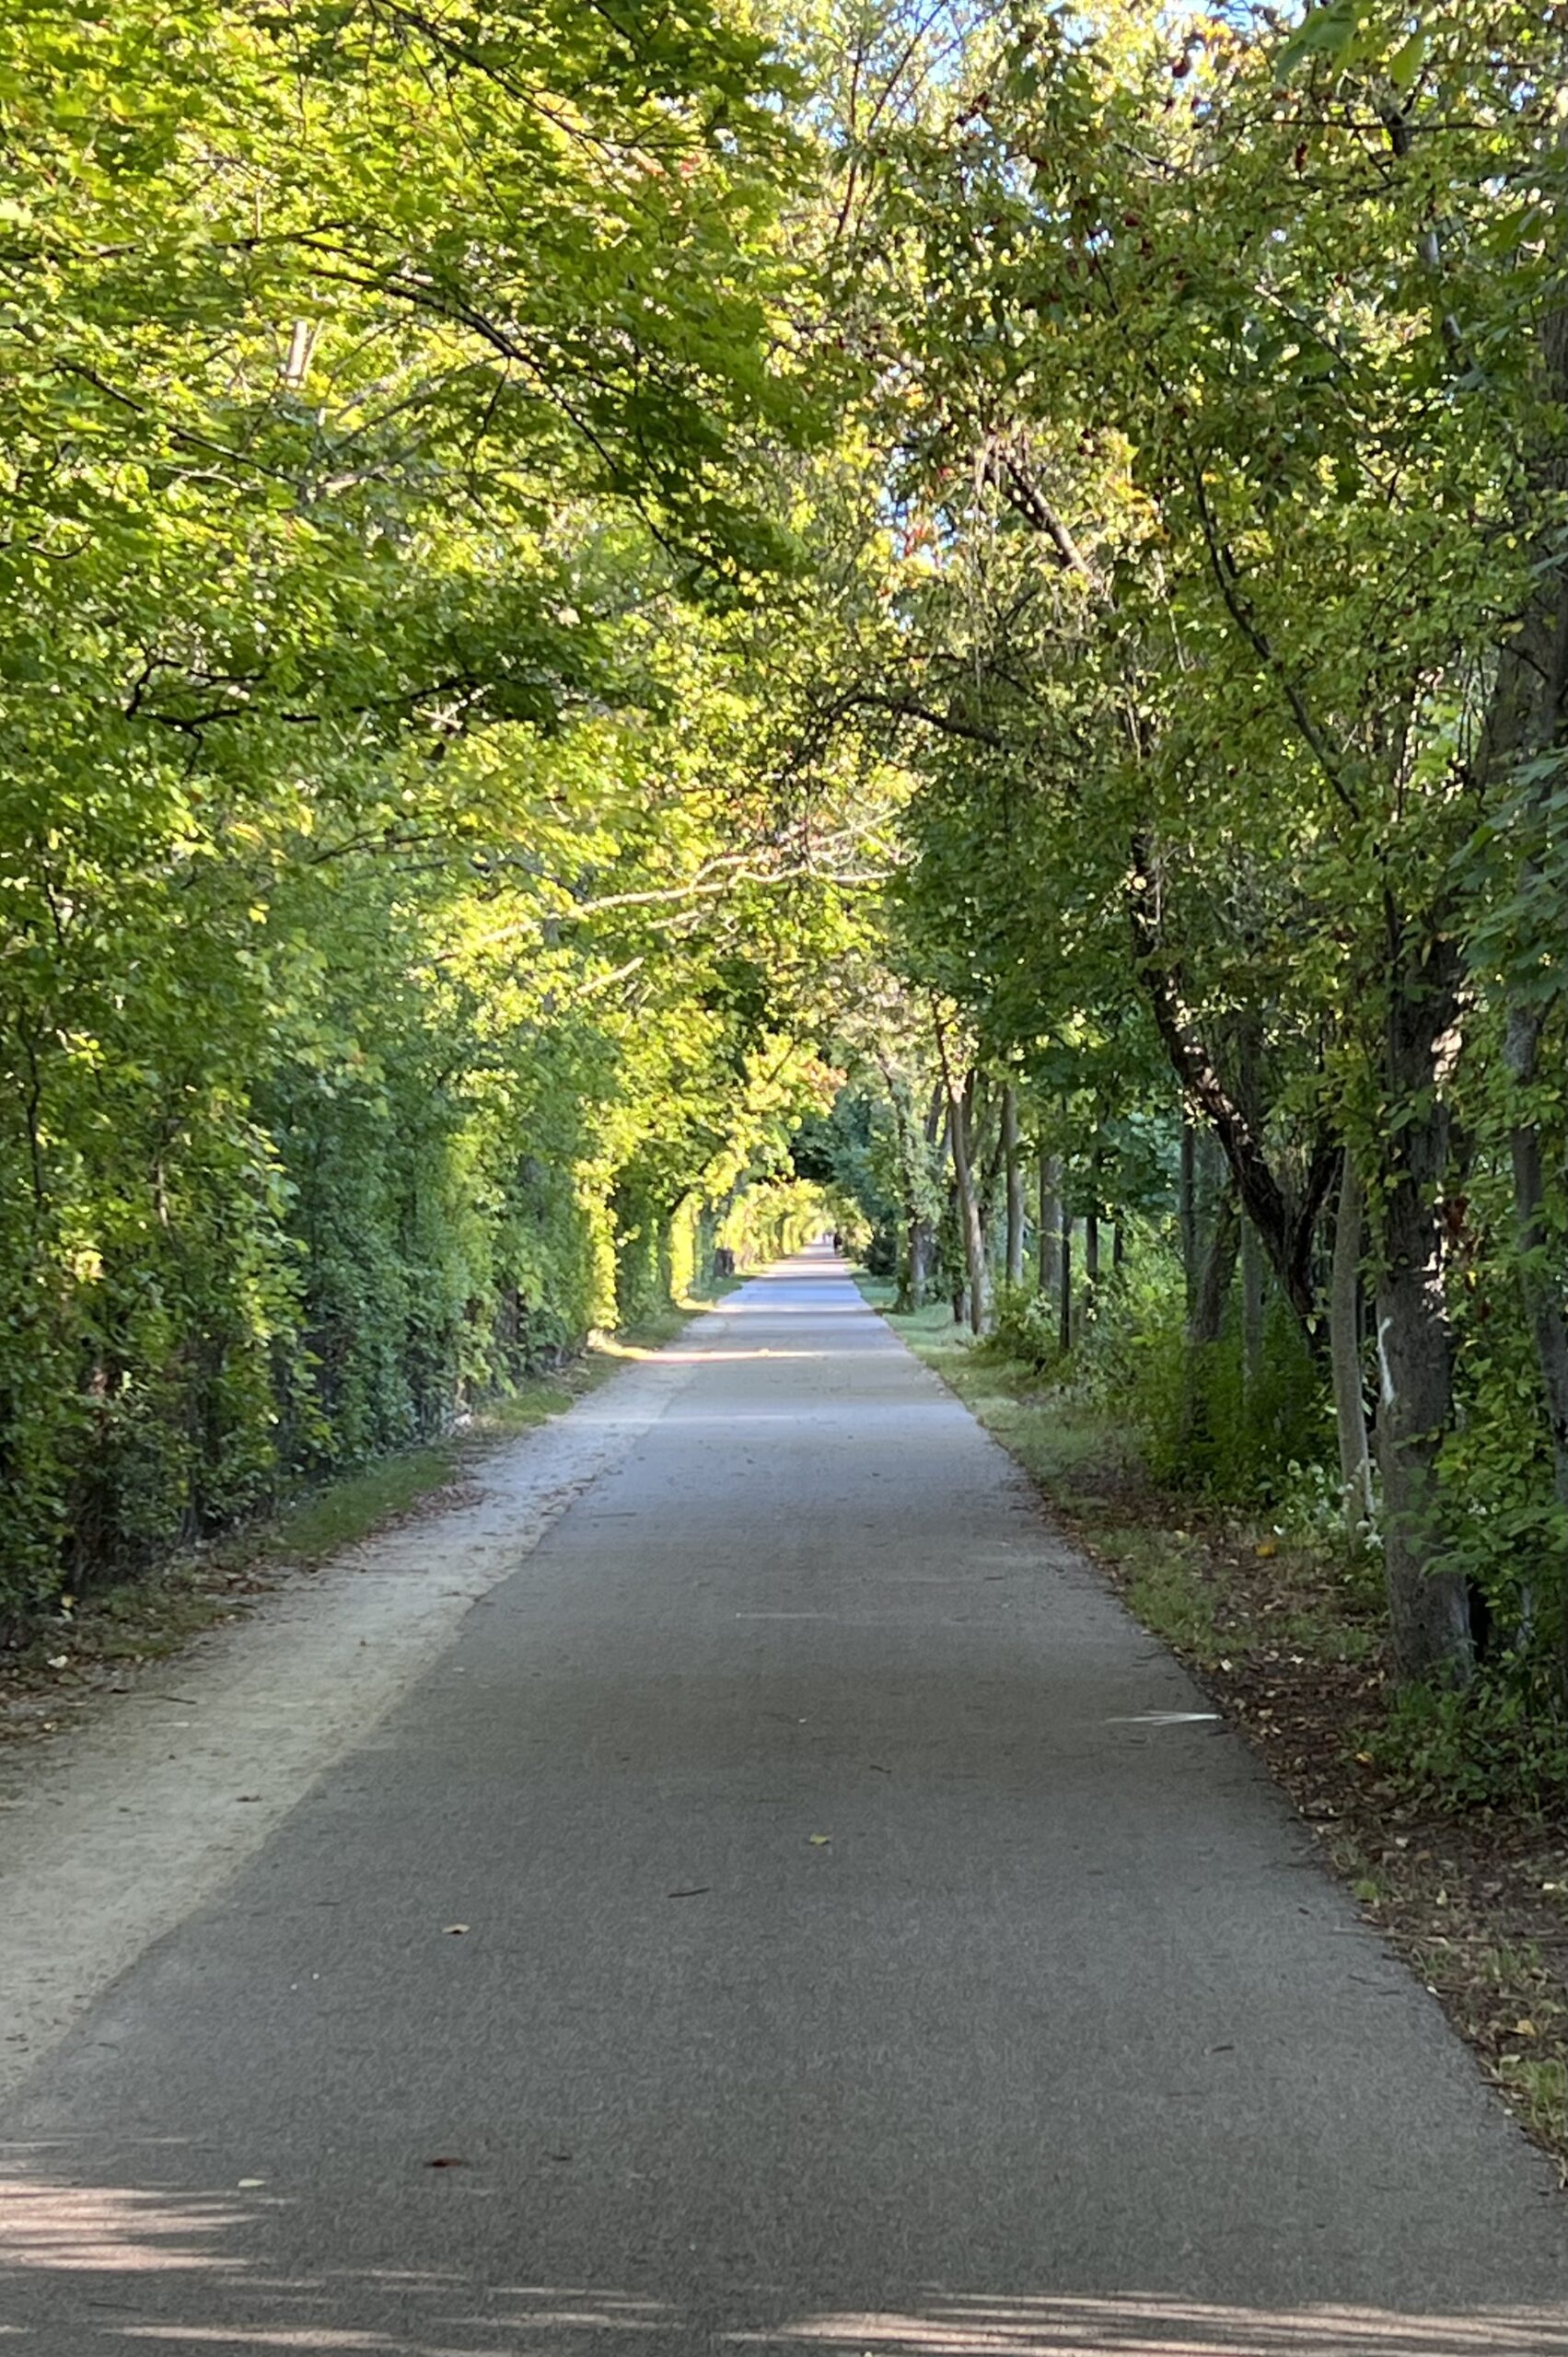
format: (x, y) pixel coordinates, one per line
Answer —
(621, 620)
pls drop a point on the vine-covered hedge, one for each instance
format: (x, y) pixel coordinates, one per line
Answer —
(285, 1288)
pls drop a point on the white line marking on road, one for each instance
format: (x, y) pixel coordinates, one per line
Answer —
(1163, 1719)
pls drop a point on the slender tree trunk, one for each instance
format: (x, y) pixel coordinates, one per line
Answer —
(960, 1109)
(922, 1240)
(1091, 1249)
(1210, 1203)
(1251, 1316)
(917, 1265)
(1187, 1209)
(986, 1149)
(1284, 1212)
(1344, 1353)
(1117, 1245)
(1249, 1073)
(1013, 1160)
(908, 1181)
(975, 1259)
(1541, 1281)
(1064, 1313)
(1205, 1319)
(1219, 1268)
(1048, 1234)
(1428, 1606)
(1527, 721)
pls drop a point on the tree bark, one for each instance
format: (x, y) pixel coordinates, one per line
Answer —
(1064, 1299)
(1048, 1234)
(1013, 1159)
(1252, 1315)
(960, 1109)
(1205, 1319)
(1428, 1606)
(920, 1244)
(898, 1097)
(1344, 1353)
(1285, 1218)
(1219, 1268)
(1527, 723)
(986, 1148)
(1187, 1208)
(1540, 1281)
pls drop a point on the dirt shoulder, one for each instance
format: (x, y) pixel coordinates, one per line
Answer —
(57, 1671)
(1289, 1646)
(197, 1719)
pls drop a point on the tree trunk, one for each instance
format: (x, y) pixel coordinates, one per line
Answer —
(1219, 1267)
(1526, 725)
(1091, 1249)
(1187, 1209)
(1251, 1316)
(1344, 1353)
(1428, 1606)
(1014, 1171)
(986, 1159)
(920, 1243)
(898, 1097)
(1250, 1078)
(1048, 1234)
(1540, 1282)
(1064, 1313)
(960, 1109)
(1205, 1319)
(917, 1265)
(1284, 1213)
(970, 1213)
(1540, 1278)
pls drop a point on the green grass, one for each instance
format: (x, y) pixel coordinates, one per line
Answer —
(1537, 2092)
(1171, 1595)
(325, 1521)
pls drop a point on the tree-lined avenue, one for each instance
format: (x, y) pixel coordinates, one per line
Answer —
(798, 1909)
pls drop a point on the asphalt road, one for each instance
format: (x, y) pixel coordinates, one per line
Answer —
(866, 1949)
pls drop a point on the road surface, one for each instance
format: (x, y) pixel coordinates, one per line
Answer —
(798, 1910)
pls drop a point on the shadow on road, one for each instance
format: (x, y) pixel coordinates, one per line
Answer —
(137, 2267)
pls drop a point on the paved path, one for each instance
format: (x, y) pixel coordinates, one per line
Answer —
(1058, 2044)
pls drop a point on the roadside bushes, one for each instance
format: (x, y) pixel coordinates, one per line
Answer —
(228, 1290)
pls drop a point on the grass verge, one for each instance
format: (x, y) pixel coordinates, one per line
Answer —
(52, 1673)
(1288, 1640)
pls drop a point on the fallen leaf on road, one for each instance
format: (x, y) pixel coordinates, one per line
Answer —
(248, 2184)
(698, 1890)
(455, 1929)
(818, 1840)
(1526, 2029)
